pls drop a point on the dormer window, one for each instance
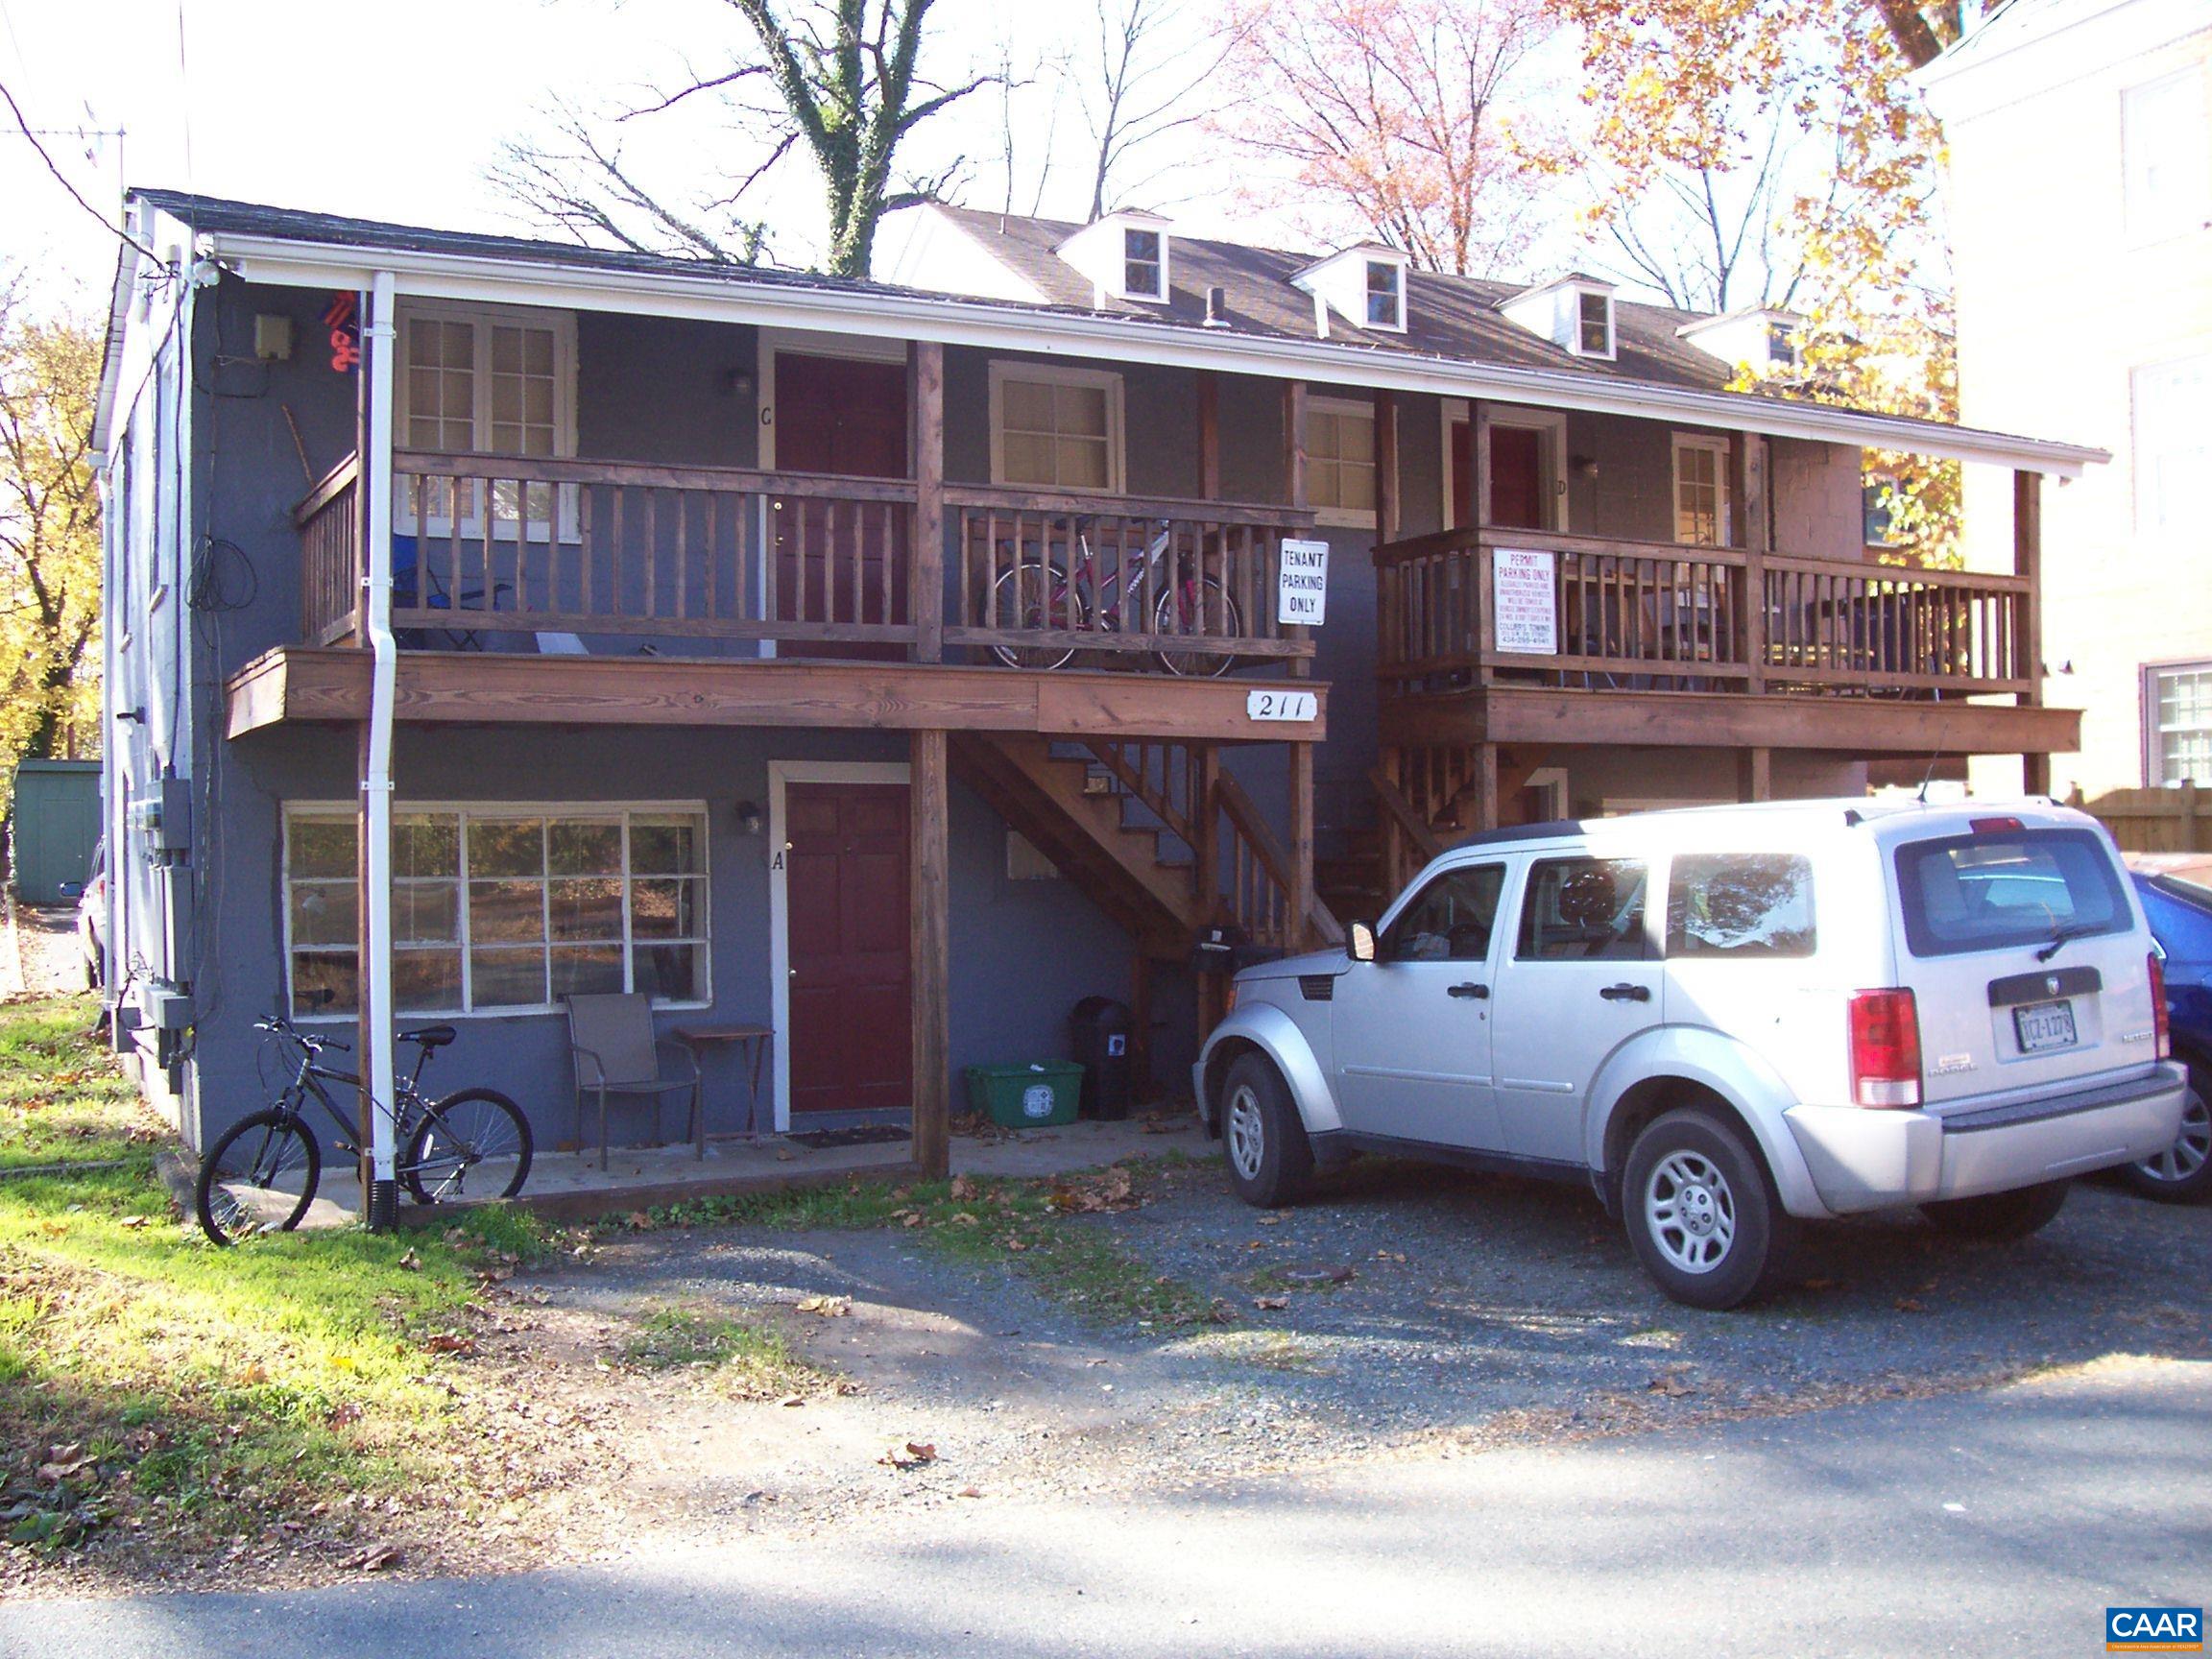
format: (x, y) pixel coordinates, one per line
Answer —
(1385, 294)
(1144, 271)
(1781, 345)
(1593, 324)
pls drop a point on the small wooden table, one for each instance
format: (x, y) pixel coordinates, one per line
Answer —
(753, 1042)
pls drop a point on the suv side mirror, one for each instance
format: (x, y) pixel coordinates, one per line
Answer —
(1359, 941)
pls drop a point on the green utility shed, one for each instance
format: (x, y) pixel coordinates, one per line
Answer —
(54, 828)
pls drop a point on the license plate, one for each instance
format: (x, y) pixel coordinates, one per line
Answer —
(2043, 1025)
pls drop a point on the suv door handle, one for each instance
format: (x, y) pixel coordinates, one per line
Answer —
(1479, 993)
(1627, 993)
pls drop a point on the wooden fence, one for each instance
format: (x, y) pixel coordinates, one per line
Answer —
(2153, 820)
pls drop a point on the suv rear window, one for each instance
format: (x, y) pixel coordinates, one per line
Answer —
(2007, 888)
(1740, 905)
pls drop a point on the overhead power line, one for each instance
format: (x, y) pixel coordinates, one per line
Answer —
(31, 138)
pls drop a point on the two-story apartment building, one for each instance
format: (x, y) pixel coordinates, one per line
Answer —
(2080, 200)
(894, 663)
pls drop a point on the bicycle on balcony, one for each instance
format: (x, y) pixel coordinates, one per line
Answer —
(1036, 595)
(261, 1174)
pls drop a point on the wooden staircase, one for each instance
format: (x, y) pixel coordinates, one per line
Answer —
(1426, 800)
(1157, 835)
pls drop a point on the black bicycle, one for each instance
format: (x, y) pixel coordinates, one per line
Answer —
(261, 1174)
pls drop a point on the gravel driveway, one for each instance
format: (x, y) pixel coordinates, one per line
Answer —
(1424, 1314)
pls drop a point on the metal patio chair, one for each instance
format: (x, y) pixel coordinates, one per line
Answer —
(611, 1040)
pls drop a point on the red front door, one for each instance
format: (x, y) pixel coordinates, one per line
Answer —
(1517, 477)
(847, 561)
(850, 1007)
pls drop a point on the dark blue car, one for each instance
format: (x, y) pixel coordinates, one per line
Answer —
(2180, 916)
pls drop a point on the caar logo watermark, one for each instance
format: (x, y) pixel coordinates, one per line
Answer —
(2154, 1629)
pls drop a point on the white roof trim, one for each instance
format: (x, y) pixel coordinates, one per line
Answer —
(1007, 327)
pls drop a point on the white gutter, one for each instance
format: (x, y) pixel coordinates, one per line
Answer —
(381, 340)
(724, 298)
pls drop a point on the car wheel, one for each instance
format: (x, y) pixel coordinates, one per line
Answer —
(2183, 1173)
(1270, 1160)
(1701, 1212)
(1999, 1216)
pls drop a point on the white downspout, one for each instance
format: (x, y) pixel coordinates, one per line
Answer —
(376, 1071)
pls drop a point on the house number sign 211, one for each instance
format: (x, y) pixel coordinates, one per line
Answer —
(1301, 706)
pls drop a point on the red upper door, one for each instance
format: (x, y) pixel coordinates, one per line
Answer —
(852, 1020)
(1517, 478)
(840, 563)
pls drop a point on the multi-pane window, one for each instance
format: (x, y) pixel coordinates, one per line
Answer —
(496, 909)
(2178, 704)
(1059, 430)
(1386, 293)
(2166, 144)
(2174, 445)
(1701, 491)
(481, 383)
(1339, 456)
(1143, 272)
(1593, 324)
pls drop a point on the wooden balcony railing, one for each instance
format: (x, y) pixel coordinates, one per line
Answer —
(330, 524)
(1654, 616)
(1043, 575)
(483, 545)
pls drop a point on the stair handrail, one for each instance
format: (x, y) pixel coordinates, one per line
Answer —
(1403, 816)
(1309, 915)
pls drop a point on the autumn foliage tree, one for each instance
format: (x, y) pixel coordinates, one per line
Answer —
(1406, 120)
(49, 534)
(1694, 88)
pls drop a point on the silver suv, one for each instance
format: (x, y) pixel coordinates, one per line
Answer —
(1727, 1021)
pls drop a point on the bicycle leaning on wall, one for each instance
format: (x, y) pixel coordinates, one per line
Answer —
(261, 1174)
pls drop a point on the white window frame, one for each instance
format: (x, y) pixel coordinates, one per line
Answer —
(2148, 221)
(1367, 269)
(483, 318)
(1159, 297)
(1722, 491)
(1574, 346)
(2140, 451)
(2154, 732)
(464, 810)
(1059, 374)
(1345, 518)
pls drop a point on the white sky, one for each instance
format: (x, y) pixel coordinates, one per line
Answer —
(394, 108)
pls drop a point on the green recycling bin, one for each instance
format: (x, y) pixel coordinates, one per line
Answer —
(1034, 1096)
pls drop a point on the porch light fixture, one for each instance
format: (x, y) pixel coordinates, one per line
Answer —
(749, 819)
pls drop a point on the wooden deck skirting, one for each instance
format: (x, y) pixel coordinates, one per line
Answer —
(298, 684)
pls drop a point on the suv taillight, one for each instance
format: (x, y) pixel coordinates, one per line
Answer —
(1884, 1048)
(2158, 1024)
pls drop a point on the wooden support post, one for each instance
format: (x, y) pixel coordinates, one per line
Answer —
(925, 596)
(1483, 786)
(930, 902)
(1294, 488)
(1755, 774)
(1208, 435)
(1479, 444)
(1205, 825)
(2028, 562)
(1388, 512)
(1301, 771)
(1748, 474)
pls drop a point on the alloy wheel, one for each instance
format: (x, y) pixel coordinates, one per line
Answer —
(2190, 1147)
(1690, 1211)
(1247, 1134)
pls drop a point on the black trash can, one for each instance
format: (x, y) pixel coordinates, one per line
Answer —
(1099, 1030)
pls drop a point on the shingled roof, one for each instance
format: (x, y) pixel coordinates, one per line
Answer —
(1454, 317)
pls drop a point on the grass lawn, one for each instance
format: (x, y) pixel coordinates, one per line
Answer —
(161, 1400)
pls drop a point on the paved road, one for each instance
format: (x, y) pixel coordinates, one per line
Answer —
(1988, 1524)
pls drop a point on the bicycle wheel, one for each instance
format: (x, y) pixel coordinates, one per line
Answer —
(458, 1133)
(1205, 608)
(260, 1177)
(1035, 596)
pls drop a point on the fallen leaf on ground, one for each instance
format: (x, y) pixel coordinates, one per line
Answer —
(411, 1262)
(448, 1343)
(637, 1220)
(1270, 1303)
(969, 1492)
(1270, 1221)
(916, 1453)
(792, 1400)
(828, 1307)
(1910, 1305)
(963, 1189)
(134, 1221)
(375, 1559)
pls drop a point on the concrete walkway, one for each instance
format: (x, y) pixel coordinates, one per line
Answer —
(1975, 1524)
(571, 1186)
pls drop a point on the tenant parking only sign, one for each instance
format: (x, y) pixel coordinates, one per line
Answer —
(1523, 601)
(1302, 588)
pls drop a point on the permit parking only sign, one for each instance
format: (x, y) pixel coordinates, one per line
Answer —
(2154, 1629)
